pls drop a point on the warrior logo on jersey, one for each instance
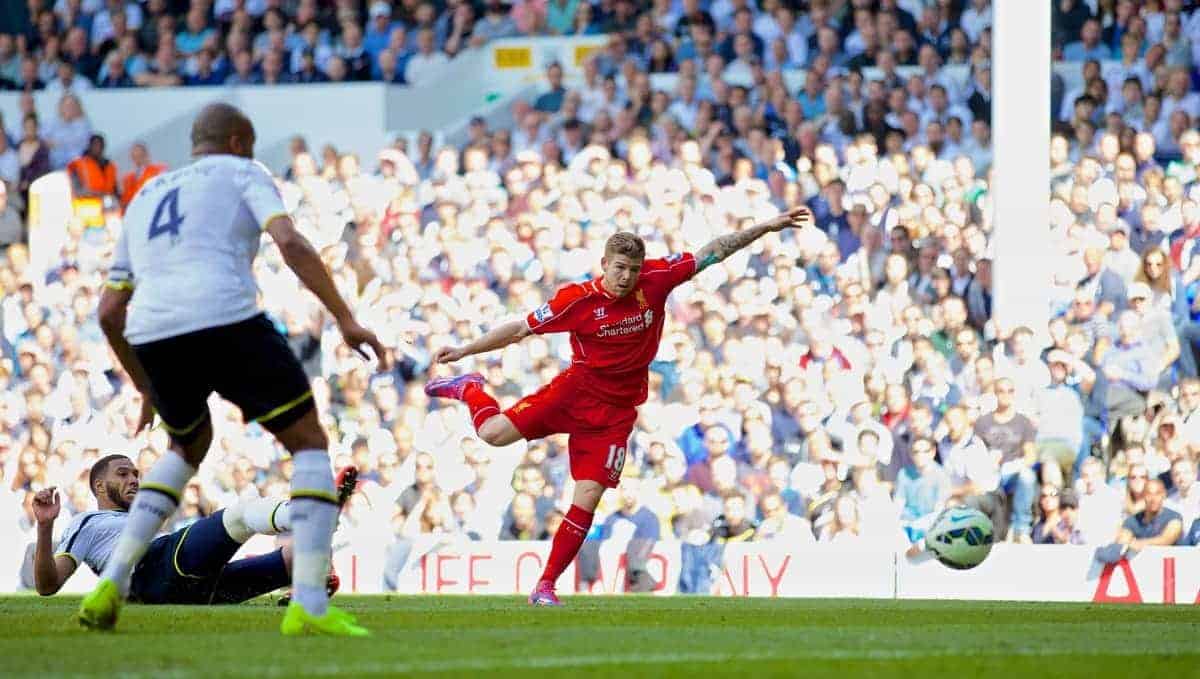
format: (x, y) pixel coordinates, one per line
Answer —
(671, 259)
(641, 298)
(543, 313)
(600, 312)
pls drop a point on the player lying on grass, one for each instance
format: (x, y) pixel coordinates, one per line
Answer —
(615, 322)
(190, 566)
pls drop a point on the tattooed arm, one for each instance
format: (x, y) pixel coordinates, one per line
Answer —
(724, 246)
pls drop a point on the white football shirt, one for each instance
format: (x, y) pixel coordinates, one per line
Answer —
(91, 536)
(188, 246)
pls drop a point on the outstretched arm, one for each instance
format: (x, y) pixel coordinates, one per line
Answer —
(723, 246)
(49, 571)
(305, 262)
(496, 338)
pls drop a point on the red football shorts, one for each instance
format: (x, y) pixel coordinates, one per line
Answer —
(599, 431)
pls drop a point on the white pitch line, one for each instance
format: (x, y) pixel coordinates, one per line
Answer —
(564, 662)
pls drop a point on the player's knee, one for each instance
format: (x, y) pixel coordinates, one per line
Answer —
(233, 518)
(498, 431)
(587, 494)
(304, 434)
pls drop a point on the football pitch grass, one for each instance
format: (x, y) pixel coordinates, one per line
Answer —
(613, 636)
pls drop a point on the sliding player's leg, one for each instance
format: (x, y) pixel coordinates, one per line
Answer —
(254, 576)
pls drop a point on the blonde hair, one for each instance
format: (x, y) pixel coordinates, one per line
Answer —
(625, 243)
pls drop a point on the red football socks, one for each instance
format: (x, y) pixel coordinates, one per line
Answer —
(567, 542)
(480, 403)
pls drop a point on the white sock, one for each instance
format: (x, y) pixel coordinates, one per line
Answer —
(155, 503)
(314, 514)
(260, 516)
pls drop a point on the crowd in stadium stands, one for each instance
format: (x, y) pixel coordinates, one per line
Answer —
(836, 384)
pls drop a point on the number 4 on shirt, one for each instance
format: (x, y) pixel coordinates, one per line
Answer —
(166, 216)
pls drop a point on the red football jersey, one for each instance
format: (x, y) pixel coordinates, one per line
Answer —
(614, 340)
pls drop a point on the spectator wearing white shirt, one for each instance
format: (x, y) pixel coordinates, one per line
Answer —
(780, 525)
(68, 133)
(793, 34)
(1067, 110)
(1131, 65)
(1100, 506)
(1179, 96)
(940, 110)
(973, 470)
(67, 81)
(1185, 495)
(103, 21)
(1089, 45)
(1189, 412)
(1060, 413)
(426, 65)
(1120, 257)
(1178, 47)
(1025, 367)
(976, 18)
(686, 105)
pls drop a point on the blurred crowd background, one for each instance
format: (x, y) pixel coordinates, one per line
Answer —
(842, 383)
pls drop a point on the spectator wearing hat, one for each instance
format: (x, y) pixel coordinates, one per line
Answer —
(1130, 369)
(1067, 532)
(1083, 314)
(1158, 332)
(1120, 257)
(378, 33)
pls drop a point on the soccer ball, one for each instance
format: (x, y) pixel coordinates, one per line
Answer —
(961, 538)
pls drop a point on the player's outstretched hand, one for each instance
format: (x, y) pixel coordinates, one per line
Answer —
(46, 505)
(447, 355)
(356, 336)
(797, 217)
